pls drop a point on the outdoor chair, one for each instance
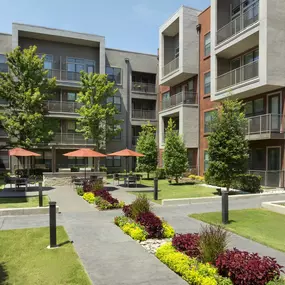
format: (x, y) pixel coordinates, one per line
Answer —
(132, 180)
(116, 176)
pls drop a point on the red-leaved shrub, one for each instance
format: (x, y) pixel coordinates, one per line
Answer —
(127, 209)
(245, 268)
(104, 194)
(187, 243)
(151, 223)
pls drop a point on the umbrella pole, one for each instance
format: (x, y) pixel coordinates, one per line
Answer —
(85, 167)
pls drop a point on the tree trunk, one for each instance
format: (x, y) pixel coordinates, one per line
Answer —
(176, 179)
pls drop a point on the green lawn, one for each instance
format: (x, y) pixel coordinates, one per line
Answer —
(25, 259)
(260, 225)
(172, 191)
(22, 202)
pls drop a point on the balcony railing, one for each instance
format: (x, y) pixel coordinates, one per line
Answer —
(179, 98)
(237, 76)
(171, 66)
(63, 75)
(267, 123)
(63, 106)
(248, 17)
(71, 139)
(270, 178)
(143, 87)
(143, 114)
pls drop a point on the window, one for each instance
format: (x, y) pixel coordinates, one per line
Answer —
(207, 83)
(75, 65)
(255, 107)
(113, 161)
(114, 74)
(116, 100)
(71, 126)
(71, 96)
(3, 64)
(119, 135)
(207, 44)
(206, 160)
(208, 118)
(176, 52)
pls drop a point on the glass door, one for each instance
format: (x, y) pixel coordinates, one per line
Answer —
(273, 110)
(273, 166)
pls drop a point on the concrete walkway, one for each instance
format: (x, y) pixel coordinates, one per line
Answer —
(110, 256)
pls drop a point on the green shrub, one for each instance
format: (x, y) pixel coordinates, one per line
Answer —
(102, 204)
(168, 231)
(277, 282)
(189, 269)
(160, 173)
(136, 231)
(103, 169)
(89, 197)
(213, 241)
(247, 182)
(79, 190)
(74, 169)
(139, 206)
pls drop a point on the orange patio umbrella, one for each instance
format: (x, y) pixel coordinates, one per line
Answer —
(126, 153)
(22, 152)
(84, 152)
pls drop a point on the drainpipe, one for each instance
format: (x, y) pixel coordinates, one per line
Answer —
(198, 29)
(127, 123)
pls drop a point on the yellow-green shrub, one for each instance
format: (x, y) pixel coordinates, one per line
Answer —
(196, 178)
(89, 197)
(192, 271)
(136, 232)
(168, 231)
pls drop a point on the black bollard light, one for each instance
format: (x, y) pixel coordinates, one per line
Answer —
(40, 194)
(52, 224)
(225, 207)
(155, 192)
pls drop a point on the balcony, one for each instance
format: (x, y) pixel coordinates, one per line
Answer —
(62, 106)
(134, 140)
(63, 75)
(247, 18)
(143, 87)
(171, 66)
(238, 76)
(267, 126)
(71, 139)
(270, 178)
(179, 99)
(143, 114)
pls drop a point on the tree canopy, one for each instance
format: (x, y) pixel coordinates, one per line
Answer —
(98, 120)
(25, 88)
(175, 153)
(146, 145)
(228, 148)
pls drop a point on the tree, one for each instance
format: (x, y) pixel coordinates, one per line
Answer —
(25, 88)
(175, 153)
(228, 148)
(97, 119)
(146, 145)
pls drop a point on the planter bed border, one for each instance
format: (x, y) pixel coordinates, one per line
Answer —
(25, 211)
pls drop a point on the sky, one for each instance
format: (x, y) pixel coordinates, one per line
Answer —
(126, 24)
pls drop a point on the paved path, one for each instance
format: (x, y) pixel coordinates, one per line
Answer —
(111, 257)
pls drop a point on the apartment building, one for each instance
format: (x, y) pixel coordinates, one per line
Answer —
(247, 62)
(178, 80)
(67, 53)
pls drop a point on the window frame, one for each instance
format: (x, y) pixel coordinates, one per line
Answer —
(206, 84)
(208, 45)
(121, 74)
(112, 160)
(208, 130)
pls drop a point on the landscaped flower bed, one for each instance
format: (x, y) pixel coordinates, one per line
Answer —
(141, 223)
(187, 254)
(94, 193)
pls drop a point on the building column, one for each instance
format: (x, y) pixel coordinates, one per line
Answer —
(53, 161)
